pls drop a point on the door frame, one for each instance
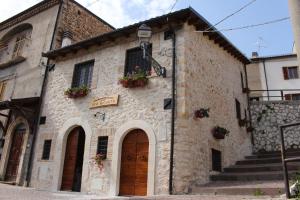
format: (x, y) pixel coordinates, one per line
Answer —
(7, 147)
(60, 149)
(117, 152)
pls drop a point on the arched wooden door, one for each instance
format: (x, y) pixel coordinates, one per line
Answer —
(15, 153)
(72, 172)
(134, 164)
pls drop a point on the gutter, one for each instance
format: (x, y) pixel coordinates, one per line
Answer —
(173, 112)
(37, 119)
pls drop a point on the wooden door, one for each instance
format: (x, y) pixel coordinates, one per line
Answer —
(70, 161)
(15, 154)
(134, 164)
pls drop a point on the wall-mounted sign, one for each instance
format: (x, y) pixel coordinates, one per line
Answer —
(105, 101)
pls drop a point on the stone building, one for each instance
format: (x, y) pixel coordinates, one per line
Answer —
(276, 76)
(23, 71)
(134, 123)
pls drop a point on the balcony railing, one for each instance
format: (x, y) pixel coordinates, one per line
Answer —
(274, 95)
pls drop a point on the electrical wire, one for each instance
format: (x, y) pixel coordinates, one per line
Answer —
(246, 27)
(90, 4)
(173, 6)
(239, 10)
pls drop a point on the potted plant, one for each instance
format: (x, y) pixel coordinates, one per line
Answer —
(98, 160)
(76, 92)
(201, 113)
(138, 78)
(219, 132)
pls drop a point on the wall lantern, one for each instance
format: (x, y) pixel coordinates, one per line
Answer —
(102, 115)
(144, 34)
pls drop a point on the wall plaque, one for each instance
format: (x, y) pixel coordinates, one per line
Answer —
(105, 101)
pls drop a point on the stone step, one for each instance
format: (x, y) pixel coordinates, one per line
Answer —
(272, 155)
(261, 167)
(257, 188)
(259, 161)
(251, 176)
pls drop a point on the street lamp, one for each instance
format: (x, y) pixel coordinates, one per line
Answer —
(144, 34)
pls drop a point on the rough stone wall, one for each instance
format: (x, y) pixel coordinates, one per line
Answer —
(254, 78)
(134, 104)
(208, 77)
(80, 22)
(266, 120)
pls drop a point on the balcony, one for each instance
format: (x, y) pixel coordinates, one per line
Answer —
(12, 54)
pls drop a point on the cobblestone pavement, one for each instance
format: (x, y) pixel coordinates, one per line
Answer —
(8, 192)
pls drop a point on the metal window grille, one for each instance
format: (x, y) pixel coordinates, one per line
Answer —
(216, 160)
(135, 60)
(102, 145)
(46, 150)
(83, 74)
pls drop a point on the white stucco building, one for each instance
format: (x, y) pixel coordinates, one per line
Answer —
(279, 72)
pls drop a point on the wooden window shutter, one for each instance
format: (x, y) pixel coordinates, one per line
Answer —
(288, 97)
(285, 73)
(2, 90)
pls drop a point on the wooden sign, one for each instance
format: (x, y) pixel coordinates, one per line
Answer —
(105, 101)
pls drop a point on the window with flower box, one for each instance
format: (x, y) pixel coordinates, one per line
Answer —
(135, 61)
(102, 146)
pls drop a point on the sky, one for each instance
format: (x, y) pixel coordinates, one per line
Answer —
(272, 39)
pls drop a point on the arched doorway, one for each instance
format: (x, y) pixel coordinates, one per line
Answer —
(15, 153)
(72, 171)
(134, 164)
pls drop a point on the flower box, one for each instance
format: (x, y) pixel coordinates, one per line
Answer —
(77, 92)
(219, 132)
(98, 160)
(134, 80)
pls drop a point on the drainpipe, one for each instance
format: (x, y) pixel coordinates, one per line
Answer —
(43, 90)
(265, 73)
(173, 111)
(248, 102)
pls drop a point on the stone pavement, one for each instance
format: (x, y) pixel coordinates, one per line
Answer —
(8, 192)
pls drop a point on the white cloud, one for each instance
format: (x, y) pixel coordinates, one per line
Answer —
(118, 13)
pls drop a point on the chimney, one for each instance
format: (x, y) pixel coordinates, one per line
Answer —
(254, 54)
(66, 39)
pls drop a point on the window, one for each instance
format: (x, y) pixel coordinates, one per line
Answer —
(216, 157)
(293, 97)
(82, 75)
(290, 73)
(134, 58)
(102, 145)
(238, 109)
(46, 150)
(2, 90)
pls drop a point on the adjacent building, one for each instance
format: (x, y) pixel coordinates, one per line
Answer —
(23, 71)
(274, 77)
(153, 134)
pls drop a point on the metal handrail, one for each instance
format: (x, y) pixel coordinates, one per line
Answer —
(268, 96)
(286, 160)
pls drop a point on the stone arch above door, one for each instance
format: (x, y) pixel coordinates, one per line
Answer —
(59, 151)
(116, 157)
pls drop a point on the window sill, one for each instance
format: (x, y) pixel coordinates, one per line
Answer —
(12, 62)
